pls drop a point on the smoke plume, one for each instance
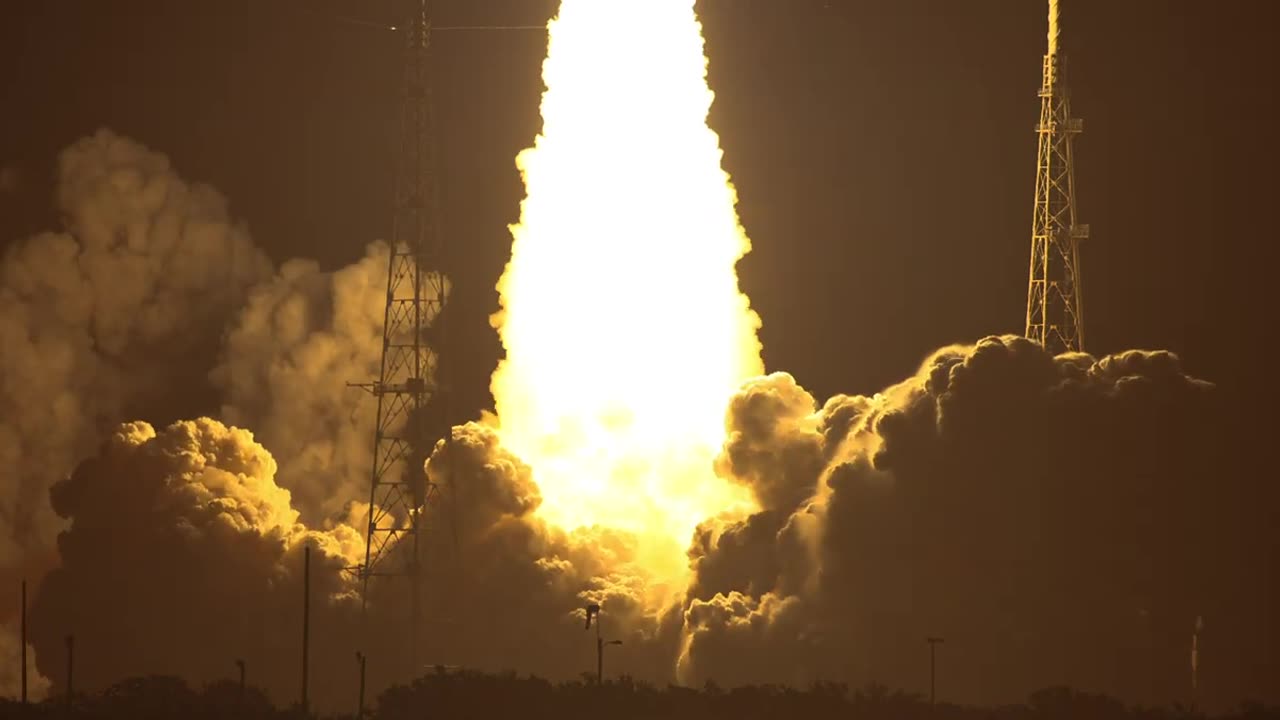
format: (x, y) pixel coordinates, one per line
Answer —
(511, 586)
(106, 318)
(1061, 519)
(121, 316)
(299, 340)
(11, 671)
(182, 555)
(191, 552)
(189, 537)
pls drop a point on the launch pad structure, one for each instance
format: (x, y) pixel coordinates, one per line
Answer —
(409, 389)
(1055, 311)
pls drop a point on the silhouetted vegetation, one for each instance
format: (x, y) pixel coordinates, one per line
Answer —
(474, 695)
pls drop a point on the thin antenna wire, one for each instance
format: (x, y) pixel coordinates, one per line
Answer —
(492, 27)
(383, 26)
(364, 23)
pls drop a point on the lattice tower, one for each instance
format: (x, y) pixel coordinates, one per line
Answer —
(409, 389)
(1055, 312)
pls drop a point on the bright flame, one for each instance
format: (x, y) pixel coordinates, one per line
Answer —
(624, 327)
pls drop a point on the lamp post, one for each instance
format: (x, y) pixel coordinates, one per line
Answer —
(71, 663)
(360, 658)
(23, 641)
(240, 667)
(600, 658)
(593, 611)
(1195, 663)
(306, 627)
(933, 642)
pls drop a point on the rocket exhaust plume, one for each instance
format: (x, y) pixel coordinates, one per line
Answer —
(623, 324)
(1055, 27)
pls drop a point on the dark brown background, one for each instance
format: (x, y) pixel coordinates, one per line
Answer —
(883, 150)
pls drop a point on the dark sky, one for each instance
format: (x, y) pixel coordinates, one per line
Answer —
(883, 150)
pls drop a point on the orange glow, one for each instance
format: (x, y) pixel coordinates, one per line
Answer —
(622, 320)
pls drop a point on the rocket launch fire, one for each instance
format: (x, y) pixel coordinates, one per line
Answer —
(733, 528)
(618, 402)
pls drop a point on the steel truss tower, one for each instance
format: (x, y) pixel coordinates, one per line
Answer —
(408, 390)
(1055, 314)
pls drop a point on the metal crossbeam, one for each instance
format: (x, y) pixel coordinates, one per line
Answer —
(1055, 311)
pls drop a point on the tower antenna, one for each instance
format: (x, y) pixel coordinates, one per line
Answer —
(1055, 313)
(409, 389)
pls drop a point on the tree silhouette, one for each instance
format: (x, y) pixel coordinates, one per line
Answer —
(469, 694)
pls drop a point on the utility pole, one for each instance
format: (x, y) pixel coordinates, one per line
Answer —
(600, 659)
(240, 666)
(593, 611)
(1055, 310)
(22, 654)
(71, 662)
(933, 667)
(1270, 629)
(306, 623)
(1195, 662)
(360, 658)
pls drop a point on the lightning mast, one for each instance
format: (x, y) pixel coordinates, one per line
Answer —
(408, 389)
(1055, 315)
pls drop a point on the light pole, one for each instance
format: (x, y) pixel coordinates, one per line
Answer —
(306, 626)
(600, 658)
(23, 641)
(1195, 662)
(71, 663)
(593, 611)
(360, 658)
(933, 642)
(240, 666)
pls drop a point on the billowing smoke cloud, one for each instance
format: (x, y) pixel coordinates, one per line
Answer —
(510, 587)
(1057, 520)
(299, 340)
(107, 318)
(188, 538)
(191, 554)
(121, 316)
(11, 670)
(182, 555)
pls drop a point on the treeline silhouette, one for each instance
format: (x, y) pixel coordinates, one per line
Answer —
(475, 695)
